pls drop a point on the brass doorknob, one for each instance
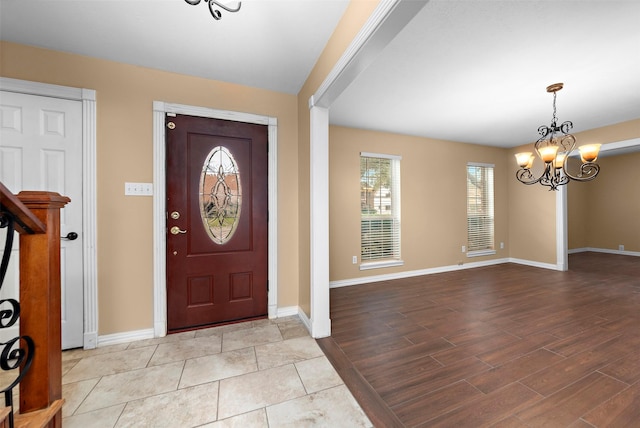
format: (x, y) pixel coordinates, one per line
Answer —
(176, 230)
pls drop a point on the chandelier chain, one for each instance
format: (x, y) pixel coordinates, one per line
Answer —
(554, 120)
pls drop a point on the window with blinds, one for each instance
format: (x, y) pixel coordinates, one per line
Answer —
(380, 210)
(480, 223)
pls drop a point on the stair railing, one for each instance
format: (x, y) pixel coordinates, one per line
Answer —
(36, 351)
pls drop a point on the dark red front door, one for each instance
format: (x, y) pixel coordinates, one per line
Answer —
(217, 200)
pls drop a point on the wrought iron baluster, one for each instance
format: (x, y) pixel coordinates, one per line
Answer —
(17, 353)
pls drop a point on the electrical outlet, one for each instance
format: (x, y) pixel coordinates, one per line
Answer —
(138, 189)
(354, 260)
(464, 249)
(502, 245)
(621, 247)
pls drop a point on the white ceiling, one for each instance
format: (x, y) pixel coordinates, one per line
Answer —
(476, 71)
(471, 71)
(269, 44)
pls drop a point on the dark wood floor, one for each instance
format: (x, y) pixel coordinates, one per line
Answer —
(505, 346)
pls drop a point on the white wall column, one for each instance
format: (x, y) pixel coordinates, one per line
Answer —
(319, 199)
(562, 234)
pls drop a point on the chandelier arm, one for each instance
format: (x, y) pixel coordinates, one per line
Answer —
(565, 127)
(214, 7)
(552, 178)
(567, 142)
(547, 134)
(544, 130)
(588, 171)
(523, 174)
(228, 9)
(217, 15)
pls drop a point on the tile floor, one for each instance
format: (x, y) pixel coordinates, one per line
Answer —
(267, 373)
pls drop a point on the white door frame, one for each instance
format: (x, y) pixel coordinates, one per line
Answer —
(160, 109)
(562, 209)
(386, 21)
(89, 228)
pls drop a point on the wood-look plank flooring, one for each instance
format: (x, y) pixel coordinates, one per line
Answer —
(505, 346)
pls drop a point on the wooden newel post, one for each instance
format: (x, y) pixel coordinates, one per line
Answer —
(40, 301)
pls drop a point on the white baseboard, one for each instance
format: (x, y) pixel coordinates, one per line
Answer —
(90, 340)
(287, 311)
(532, 263)
(578, 250)
(131, 336)
(451, 268)
(412, 273)
(305, 319)
(605, 250)
(127, 336)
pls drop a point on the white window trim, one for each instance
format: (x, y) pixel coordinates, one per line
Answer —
(380, 155)
(480, 253)
(379, 264)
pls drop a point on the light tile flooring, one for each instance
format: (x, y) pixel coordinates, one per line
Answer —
(267, 373)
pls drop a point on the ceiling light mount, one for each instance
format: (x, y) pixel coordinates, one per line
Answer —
(213, 7)
(554, 147)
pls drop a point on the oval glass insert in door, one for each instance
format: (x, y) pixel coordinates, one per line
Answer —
(220, 195)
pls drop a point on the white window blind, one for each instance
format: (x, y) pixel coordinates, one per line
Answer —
(380, 207)
(480, 210)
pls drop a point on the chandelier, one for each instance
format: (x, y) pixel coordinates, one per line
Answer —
(554, 147)
(213, 5)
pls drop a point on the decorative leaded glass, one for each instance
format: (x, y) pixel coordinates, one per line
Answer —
(220, 195)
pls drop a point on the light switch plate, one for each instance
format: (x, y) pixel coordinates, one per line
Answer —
(138, 189)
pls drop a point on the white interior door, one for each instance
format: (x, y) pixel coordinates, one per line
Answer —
(41, 149)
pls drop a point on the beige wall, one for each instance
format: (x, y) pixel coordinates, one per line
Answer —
(434, 204)
(610, 134)
(353, 19)
(433, 218)
(532, 217)
(600, 213)
(604, 213)
(578, 214)
(125, 153)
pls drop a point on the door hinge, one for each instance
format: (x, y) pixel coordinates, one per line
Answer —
(267, 285)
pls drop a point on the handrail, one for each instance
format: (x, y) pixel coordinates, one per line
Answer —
(17, 353)
(36, 351)
(26, 221)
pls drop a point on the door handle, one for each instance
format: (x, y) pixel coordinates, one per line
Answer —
(176, 230)
(71, 236)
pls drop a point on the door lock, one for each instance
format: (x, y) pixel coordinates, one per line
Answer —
(175, 215)
(176, 230)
